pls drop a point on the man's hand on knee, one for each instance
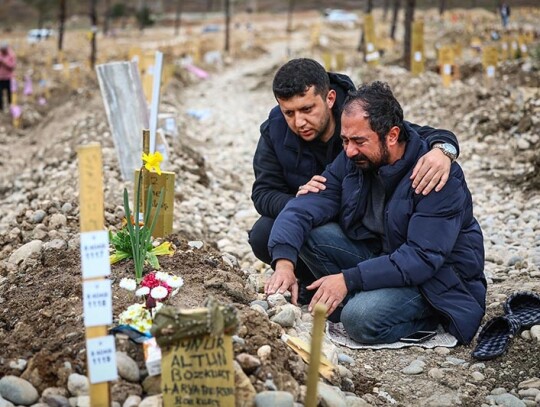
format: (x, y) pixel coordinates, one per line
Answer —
(283, 280)
(331, 291)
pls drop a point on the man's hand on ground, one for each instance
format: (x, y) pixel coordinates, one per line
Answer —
(282, 280)
(331, 291)
(315, 185)
(431, 171)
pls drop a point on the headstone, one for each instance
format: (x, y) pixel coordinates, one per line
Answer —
(126, 110)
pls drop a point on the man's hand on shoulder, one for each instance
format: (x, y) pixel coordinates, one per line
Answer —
(282, 280)
(331, 291)
(315, 184)
(431, 171)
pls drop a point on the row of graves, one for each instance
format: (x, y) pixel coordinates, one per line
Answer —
(41, 70)
(492, 48)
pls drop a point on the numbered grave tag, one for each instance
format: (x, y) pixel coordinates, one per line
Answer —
(101, 355)
(95, 254)
(97, 303)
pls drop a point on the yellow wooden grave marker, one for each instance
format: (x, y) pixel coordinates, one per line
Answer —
(165, 181)
(514, 47)
(505, 47)
(198, 371)
(370, 52)
(490, 56)
(340, 61)
(327, 60)
(446, 62)
(417, 48)
(91, 219)
(523, 46)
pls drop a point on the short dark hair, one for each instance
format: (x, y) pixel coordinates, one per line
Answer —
(382, 108)
(297, 76)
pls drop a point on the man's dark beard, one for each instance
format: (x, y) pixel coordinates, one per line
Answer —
(365, 164)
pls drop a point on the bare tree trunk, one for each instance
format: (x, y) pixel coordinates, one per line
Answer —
(61, 23)
(290, 16)
(409, 18)
(107, 19)
(386, 6)
(442, 7)
(178, 18)
(395, 15)
(227, 25)
(209, 5)
(93, 22)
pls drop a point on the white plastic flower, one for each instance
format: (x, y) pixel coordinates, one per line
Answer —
(162, 276)
(175, 281)
(158, 293)
(128, 284)
(142, 291)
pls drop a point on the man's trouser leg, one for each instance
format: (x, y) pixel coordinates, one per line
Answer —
(258, 240)
(377, 316)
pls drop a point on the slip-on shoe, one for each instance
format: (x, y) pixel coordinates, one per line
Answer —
(495, 337)
(525, 307)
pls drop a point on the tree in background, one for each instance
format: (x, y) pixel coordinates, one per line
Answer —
(43, 8)
(395, 14)
(107, 17)
(290, 16)
(61, 24)
(409, 18)
(144, 19)
(178, 17)
(442, 7)
(93, 33)
(227, 25)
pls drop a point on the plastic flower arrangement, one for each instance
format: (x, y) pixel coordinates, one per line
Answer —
(135, 240)
(155, 289)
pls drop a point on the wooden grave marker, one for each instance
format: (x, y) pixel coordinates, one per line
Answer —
(417, 51)
(490, 56)
(340, 61)
(197, 355)
(97, 302)
(371, 53)
(315, 355)
(327, 61)
(165, 181)
(446, 62)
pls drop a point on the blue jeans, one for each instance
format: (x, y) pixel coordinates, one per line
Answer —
(378, 316)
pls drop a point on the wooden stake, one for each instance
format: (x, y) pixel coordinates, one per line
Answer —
(319, 319)
(91, 219)
(417, 51)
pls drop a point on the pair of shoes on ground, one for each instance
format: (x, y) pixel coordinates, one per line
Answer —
(522, 310)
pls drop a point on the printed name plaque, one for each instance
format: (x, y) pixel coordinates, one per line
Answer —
(95, 254)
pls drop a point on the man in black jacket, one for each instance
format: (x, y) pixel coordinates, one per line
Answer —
(302, 136)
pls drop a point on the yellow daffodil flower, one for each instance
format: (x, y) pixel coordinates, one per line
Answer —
(152, 161)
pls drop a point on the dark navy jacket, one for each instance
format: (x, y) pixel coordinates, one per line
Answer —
(434, 241)
(283, 161)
